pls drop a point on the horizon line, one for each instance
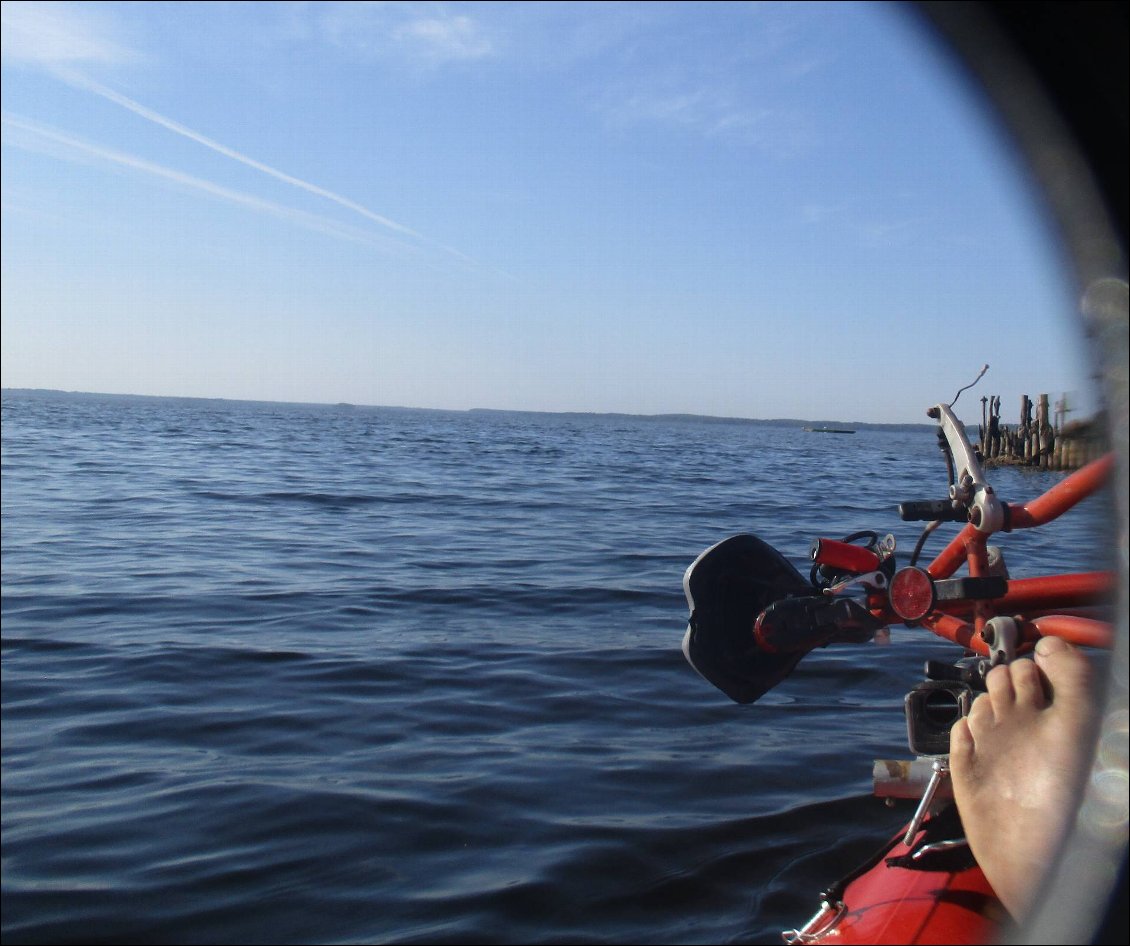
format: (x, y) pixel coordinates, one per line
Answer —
(662, 415)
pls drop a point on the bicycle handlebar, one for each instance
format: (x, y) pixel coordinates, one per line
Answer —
(753, 616)
(932, 510)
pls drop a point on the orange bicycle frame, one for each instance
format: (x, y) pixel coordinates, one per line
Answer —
(1054, 605)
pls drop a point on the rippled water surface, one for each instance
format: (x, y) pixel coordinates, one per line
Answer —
(282, 673)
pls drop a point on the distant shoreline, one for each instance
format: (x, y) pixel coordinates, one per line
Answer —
(700, 418)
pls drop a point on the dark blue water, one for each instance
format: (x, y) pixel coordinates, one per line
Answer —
(279, 673)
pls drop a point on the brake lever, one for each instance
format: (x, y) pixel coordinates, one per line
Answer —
(970, 488)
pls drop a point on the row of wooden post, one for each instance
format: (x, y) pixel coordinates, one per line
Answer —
(1038, 442)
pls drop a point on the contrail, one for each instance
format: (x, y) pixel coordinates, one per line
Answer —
(81, 81)
(301, 217)
(73, 78)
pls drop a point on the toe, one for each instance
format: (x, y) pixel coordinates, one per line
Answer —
(998, 683)
(1067, 669)
(981, 716)
(1028, 684)
(961, 746)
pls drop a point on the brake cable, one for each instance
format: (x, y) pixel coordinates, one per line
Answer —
(929, 528)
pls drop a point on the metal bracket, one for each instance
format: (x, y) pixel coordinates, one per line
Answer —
(822, 923)
(939, 847)
(872, 581)
(941, 771)
(971, 589)
(1002, 636)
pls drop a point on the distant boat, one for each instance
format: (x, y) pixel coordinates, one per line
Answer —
(829, 430)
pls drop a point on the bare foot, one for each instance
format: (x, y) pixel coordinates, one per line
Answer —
(1018, 763)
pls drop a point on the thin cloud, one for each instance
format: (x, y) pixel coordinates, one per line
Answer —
(683, 107)
(47, 34)
(749, 91)
(68, 147)
(820, 213)
(714, 113)
(413, 34)
(457, 37)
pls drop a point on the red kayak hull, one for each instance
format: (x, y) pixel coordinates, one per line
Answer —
(894, 904)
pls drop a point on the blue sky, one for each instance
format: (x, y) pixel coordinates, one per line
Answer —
(758, 210)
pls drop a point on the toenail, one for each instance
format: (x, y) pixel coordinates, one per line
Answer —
(1047, 645)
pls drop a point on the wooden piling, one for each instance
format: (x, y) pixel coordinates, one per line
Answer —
(1048, 442)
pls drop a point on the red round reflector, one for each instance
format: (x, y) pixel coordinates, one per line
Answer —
(912, 593)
